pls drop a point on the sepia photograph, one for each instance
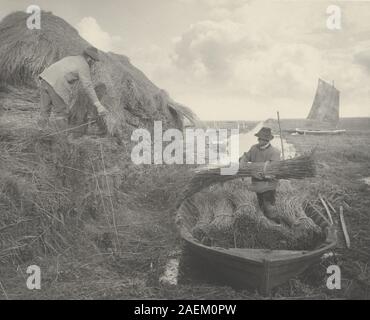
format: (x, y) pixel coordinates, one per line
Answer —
(184, 150)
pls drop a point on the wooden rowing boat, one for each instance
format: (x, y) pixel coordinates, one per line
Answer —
(261, 269)
(320, 132)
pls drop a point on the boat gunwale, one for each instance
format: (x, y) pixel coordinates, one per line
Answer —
(296, 255)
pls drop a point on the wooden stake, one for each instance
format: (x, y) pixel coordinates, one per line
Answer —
(281, 138)
(344, 227)
(331, 206)
(321, 215)
(327, 209)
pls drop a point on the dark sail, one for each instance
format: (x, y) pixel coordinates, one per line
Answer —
(325, 107)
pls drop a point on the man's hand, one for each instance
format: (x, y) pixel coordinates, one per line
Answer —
(102, 111)
(261, 176)
(270, 177)
(42, 122)
(258, 175)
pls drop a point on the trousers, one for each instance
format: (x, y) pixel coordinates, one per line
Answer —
(74, 119)
(49, 100)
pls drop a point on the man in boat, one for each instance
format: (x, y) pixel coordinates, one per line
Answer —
(264, 186)
(57, 84)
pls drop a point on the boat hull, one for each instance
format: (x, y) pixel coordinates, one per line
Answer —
(256, 269)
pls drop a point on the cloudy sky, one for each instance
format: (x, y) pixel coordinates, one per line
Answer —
(233, 59)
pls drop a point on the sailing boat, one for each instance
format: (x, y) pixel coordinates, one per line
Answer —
(324, 114)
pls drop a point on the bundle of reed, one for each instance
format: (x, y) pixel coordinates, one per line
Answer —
(291, 211)
(214, 225)
(246, 222)
(296, 168)
(206, 209)
(220, 230)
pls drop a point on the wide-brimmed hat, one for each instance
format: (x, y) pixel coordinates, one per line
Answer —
(265, 133)
(92, 52)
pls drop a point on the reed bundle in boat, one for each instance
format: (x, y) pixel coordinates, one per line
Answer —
(229, 216)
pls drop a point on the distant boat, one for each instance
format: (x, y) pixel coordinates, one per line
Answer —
(318, 132)
(324, 114)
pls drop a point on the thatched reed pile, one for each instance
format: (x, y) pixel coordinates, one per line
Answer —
(57, 193)
(229, 216)
(134, 101)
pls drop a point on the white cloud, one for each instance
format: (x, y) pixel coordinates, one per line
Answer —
(219, 14)
(231, 57)
(213, 47)
(216, 3)
(255, 56)
(264, 55)
(89, 29)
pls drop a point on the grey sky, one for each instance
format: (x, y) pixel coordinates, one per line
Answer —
(232, 59)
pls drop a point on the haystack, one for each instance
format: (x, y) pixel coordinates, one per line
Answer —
(57, 193)
(134, 100)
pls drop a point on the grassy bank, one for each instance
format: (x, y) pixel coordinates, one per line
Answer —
(124, 261)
